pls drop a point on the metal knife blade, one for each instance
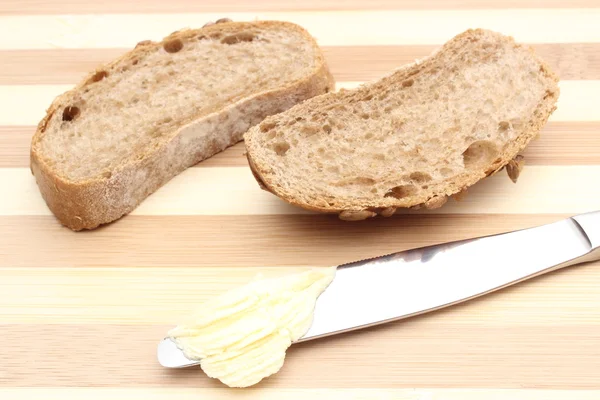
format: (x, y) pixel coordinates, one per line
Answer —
(408, 283)
(413, 282)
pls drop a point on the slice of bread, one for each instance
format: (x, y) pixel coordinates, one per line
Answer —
(135, 123)
(424, 132)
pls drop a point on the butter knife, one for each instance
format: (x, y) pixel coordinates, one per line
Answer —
(401, 285)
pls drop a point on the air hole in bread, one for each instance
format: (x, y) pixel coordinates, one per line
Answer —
(408, 83)
(334, 169)
(368, 97)
(368, 135)
(479, 153)
(173, 46)
(70, 113)
(281, 148)
(309, 130)
(98, 76)
(503, 126)
(445, 172)
(379, 156)
(135, 61)
(107, 174)
(327, 128)
(364, 116)
(238, 38)
(420, 177)
(271, 135)
(267, 126)
(402, 191)
(359, 180)
(516, 123)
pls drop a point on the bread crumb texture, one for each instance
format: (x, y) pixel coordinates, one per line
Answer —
(418, 135)
(128, 108)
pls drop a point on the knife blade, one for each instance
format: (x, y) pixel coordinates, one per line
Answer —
(404, 284)
(413, 282)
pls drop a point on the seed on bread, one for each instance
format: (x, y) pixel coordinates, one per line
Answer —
(219, 21)
(356, 215)
(388, 212)
(143, 43)
(514, 168)
(413, 138)
(435, 202)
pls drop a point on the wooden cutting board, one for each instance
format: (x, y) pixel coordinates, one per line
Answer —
(81, 313)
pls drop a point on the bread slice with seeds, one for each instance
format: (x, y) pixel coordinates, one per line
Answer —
(135, 123)
(422, 133)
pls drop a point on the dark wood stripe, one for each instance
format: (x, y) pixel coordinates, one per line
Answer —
(571, 61)
(237, 241)
(561, 143)
(425, 351)
(32, 7)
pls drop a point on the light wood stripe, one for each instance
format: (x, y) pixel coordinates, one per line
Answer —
(561, 143)
(169, 295)
(234, 191)
(352, 28)
(413, 353)
(153, 393)
(268, 240)
(571, 61)
(26, 104)
(9, 7)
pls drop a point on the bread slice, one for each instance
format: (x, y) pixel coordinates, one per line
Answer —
(133, 124)
(418, 135)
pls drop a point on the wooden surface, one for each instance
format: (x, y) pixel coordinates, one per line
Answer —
(81, 313)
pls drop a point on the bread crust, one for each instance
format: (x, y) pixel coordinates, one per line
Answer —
(103, 199)
(356, 212)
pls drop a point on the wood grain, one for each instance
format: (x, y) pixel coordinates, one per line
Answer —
(561, 143)
(254, 241)
(82, 312)
(9, 7)
(570, 61)
(154, 393)
(413, 353)
(364, 28)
